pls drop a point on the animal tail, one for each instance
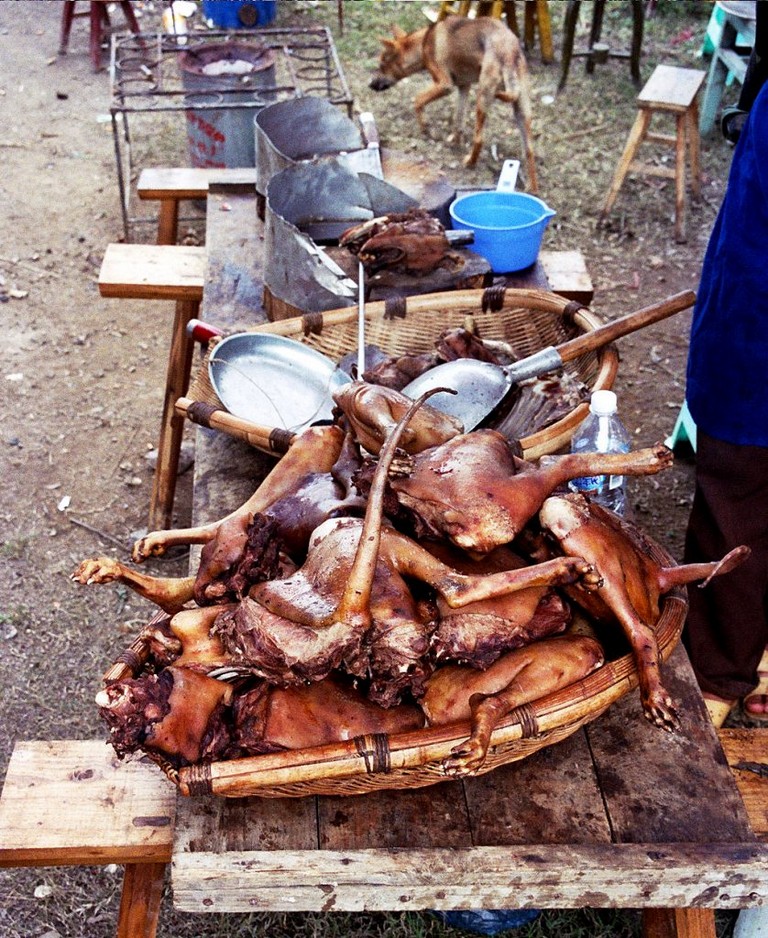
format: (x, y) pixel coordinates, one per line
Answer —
(357, 594)
(690, 572)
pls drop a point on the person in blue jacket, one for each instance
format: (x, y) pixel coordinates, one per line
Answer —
(726, 632)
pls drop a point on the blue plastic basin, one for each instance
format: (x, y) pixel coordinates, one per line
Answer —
(508, 227)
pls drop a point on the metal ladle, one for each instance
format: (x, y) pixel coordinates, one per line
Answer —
(481, 387)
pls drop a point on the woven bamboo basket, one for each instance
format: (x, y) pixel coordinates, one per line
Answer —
(528, 320)
(414, 759)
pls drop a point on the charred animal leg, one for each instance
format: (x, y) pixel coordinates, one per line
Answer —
(315, 450)
(170, 594)
(459, 590)
(689, 572)
(529, 674)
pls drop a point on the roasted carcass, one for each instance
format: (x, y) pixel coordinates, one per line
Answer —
(632, 584)
(456, 693)
(474, 490)
(413, 242)
(187, 717)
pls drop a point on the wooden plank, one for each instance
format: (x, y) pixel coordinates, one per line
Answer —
(525, 876)
(218, 825)
(153, 272)
(671, 88)
(747, 753)
(567, 275)
(660, 787)
(550, 797)
(234, 277)
(73, 802)
(187, 182)
(422, 817)
(227, 470)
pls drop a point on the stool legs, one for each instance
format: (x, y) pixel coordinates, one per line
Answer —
(172, 424)
(638, 22)
(680, 154)
(98, 17)
(168, 221)
(67, 15)
(635, 138)
(140, 900)
(686, 142)
(595, 32)
(679, 923)
(571, 19)
(694, 148)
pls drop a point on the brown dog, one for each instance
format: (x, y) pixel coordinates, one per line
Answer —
(459, 52)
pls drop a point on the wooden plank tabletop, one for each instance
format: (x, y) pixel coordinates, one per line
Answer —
(620, 814)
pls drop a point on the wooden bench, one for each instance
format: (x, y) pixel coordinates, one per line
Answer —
(162, 272)
(172, 185)
(73, 803)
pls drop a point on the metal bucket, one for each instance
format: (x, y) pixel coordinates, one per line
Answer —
(216, 77)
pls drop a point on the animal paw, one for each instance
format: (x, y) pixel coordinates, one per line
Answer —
(659, 457)
(465, 759)
(99, 570)
(151, 545)
(589, 578)
(659, 709)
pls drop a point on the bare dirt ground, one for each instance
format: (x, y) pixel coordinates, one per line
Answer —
(81, 388)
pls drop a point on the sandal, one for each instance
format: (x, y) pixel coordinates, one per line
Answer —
(718, 709)
(758, 698)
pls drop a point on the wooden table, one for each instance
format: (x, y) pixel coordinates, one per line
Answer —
(619, 815)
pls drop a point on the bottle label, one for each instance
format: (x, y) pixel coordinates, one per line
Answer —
(588, 484)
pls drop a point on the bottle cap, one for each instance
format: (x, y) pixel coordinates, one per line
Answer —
(603, 403)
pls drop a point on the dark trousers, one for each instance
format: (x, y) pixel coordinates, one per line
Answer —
(727, 626)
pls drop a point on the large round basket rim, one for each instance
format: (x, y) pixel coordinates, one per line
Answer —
(391, 318)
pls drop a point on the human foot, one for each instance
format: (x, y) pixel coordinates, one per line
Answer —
(755, 705)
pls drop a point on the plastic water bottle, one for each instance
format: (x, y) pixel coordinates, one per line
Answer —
(602, 432)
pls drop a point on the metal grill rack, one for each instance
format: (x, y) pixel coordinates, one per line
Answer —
(145, 79)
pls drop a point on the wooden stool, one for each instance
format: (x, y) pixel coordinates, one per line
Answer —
(73, 803)
(598, 52)
(669, 90)
(738, 27)
(162, 272)
(172, 185)
(99, 17)
(536, 17)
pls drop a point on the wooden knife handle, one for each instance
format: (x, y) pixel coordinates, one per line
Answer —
(617, 328)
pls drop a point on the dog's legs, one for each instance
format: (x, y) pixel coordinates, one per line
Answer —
(523, 117)
(442, 86)
(522, 108)
(457, 136)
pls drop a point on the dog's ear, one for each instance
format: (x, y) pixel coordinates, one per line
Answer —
(398, 32)
(388, 43)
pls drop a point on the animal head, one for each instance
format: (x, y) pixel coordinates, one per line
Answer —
(400, 56)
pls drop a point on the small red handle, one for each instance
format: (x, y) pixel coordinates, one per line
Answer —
(202, 332)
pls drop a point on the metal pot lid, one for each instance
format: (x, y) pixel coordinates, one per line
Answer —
(274, 381)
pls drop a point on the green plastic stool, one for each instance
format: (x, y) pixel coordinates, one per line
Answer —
(684, 431)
